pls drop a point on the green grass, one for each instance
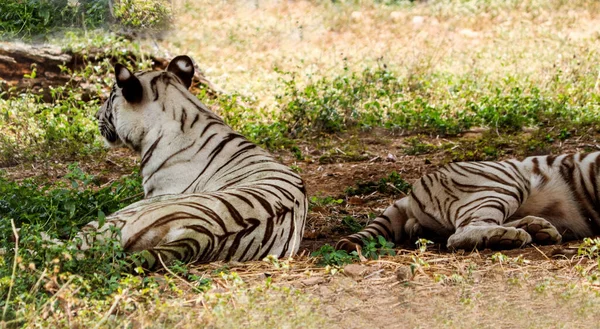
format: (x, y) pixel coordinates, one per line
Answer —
(33, 18)
(34, 130)
(59, 211)
(372, 248)
(37, 19)
(377, 98)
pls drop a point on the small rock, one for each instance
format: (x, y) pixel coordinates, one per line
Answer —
(265, 275)
(355, 271)
(396, 16)
(356, 16)
(418, 20)
(312, 234)
(390, 158)
(403, 273)
(355, 200)
(325, 291)
(565, 252)
(312, 281)
(468, 33)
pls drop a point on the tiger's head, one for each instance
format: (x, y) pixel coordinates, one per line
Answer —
(135, 102)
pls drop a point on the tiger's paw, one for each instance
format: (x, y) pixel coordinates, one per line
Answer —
(541, 230)
(493, 237)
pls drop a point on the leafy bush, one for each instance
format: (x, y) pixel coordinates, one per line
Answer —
(37, 130)
(59, 212)
(143, 14)
(322, 201)
(29, 18)
(333, 106)
(373, 248)
(327, 255)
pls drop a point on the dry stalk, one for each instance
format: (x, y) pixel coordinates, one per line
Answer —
(111, 309)
(175, 275)
(14, 270)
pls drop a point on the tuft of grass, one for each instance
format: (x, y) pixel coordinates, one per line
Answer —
(374, 248)
(322, 201)
(491, 146)
(351, 225)
(416, 146)
(327, 255)
(390, 185)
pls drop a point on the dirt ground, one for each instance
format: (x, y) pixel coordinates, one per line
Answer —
(533, 287)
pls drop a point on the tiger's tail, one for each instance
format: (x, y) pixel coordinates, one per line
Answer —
(396, 224)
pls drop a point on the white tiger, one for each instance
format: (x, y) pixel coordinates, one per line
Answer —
(498, 205)
(211, 193)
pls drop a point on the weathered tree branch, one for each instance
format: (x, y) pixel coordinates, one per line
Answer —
(18, 60)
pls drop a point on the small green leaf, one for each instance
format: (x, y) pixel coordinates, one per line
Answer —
(101, 218)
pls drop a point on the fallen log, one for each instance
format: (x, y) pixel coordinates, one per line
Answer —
(36, 68)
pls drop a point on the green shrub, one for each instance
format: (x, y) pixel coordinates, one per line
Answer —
(59, 212)
(35, 19)
(373, 248)
(327, 255)
(34, 130)
(29, 18)
(143, 14)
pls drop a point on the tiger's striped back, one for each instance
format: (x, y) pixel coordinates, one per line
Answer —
(502, 204)
(211, 193)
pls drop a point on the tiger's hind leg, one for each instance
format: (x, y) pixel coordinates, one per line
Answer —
(396, 224)
(541, 230)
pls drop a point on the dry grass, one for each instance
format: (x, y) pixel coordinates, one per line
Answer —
(523, 289)
(239, 43)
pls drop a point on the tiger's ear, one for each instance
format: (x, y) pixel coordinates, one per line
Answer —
(183, 68)
(129, 83)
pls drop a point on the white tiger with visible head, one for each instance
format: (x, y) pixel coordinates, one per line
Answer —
(211, 193)
(498, 205)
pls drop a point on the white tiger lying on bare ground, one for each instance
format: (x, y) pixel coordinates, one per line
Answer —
(499, 205)
(212, 194)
